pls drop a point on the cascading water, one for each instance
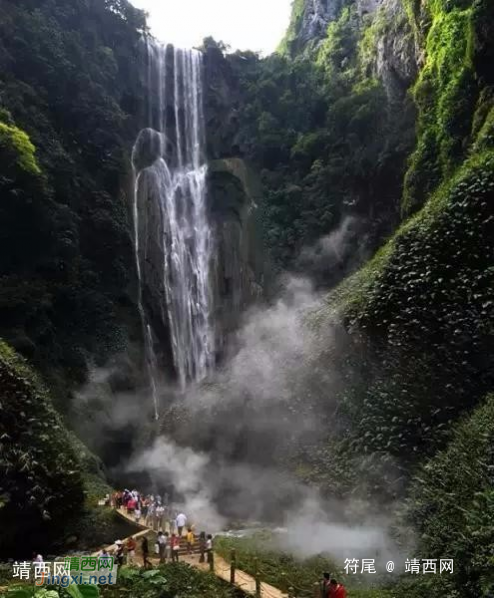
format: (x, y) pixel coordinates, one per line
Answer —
(172, 233)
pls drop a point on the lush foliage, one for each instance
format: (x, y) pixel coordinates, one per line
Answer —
(40, 481)
(450, 90)
(315, 126)
(291, 42)
(68, 79)
(452, 506)
(169, 581)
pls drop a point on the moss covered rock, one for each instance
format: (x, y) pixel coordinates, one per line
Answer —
(449, 90)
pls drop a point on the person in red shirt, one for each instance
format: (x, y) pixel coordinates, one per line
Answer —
(336, 590)
(131, 505)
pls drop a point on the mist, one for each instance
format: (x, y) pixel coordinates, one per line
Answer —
(227, 450)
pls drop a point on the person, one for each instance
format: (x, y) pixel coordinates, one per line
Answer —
(161, 546)
(37, 558)
(190, 540)
(145, 553)
(336, 590)
(175, 542)
(131, 505)
(209, 548)
(119, 552)
(180, 522)
(325, 585)
(145, 506)
(202, 546)
(131, 550)
(159, 516)
(137, 513)
(150, 515)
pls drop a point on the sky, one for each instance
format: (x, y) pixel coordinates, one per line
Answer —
(257, 25)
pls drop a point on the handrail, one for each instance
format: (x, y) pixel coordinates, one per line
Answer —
(257, 587)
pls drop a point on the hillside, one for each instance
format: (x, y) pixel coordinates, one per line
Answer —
(69, 79)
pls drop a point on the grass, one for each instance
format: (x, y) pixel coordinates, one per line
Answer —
(284, 570)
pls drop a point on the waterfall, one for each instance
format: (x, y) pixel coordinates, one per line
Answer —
(173, 239)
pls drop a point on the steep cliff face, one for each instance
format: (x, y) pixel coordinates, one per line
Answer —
(397, 57)
(241, 271)
(393, 46)
(309, 22)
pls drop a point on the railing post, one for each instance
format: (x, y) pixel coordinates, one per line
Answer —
(233, 566)
(317, 590)
(211, 560)
(257, 576)
(283, 583)
(291, 592)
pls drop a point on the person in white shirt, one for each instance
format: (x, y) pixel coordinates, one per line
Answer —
(180, 522)
(209, 548)
(159, 516)
(162, 541)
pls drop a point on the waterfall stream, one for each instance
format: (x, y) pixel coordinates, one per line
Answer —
(173, 238)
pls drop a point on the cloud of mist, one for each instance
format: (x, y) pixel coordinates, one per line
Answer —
(227, 455)
(333, 256)
(316, 527)
(107, 411)
(170, 465)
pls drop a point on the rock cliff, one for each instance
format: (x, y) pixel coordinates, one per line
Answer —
(240, 268)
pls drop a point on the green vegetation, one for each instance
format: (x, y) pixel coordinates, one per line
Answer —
(167, 581)
(315, 127)
(452, 506)
(69, 79)
(418, 316)
(50, 483)
(40, 481)
(289, 43)
(331, 137)
(446, 93)
(17, 151)
(283, 570)
(410, 333)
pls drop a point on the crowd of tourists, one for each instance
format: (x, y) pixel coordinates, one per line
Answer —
(174, 531)
(174, 534)
(151, 510)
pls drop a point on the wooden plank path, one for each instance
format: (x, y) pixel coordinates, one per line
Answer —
(222, 568)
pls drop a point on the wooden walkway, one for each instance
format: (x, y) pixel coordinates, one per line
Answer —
(243, 581)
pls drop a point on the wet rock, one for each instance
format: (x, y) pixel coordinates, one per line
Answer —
(240, 269)
(147, 149)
